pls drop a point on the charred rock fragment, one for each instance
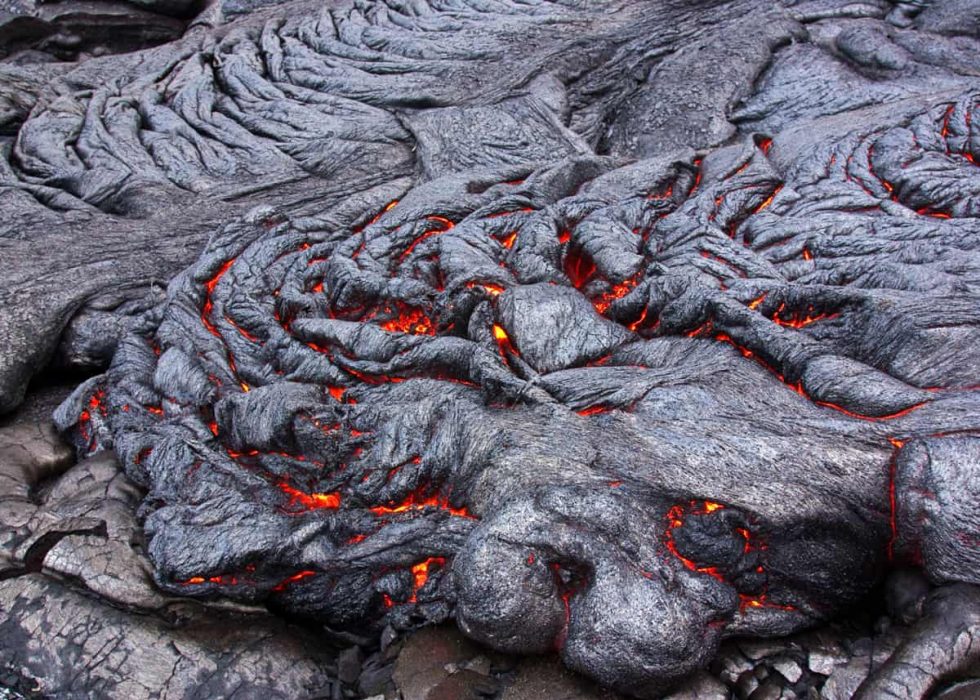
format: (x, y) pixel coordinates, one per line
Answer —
(616, 329)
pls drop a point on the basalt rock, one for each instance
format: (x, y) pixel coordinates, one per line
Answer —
(614, 328)
(80, 616)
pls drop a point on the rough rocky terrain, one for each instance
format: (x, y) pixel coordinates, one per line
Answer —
(632, 332)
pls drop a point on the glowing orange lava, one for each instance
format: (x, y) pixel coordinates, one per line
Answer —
(209, 289)
(491, 289)
(420, 575)
(388, 207)
(861, 416)
(617, 292)
(503, 342)
(697, 176)
(760, 601)
(282, 585)
(768, 200)
(409, 320)
(796, 320)
(639, 322)
(675, 519)
(444, 225)
(416, 501)
(892, 497)
(310, 501)
(223, 579)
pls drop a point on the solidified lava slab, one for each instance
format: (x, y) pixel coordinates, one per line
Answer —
(618, 328)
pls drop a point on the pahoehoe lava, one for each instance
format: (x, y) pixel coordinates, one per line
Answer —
(614, 328)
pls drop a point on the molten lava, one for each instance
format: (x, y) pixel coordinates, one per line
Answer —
(209, 290)
(444, 225)
(579, 267)
(310, 501)
(675, 519)
(617, 292)
(299, 576)
(420, 575)
(417, 501)
(409, 320)
(797, 320)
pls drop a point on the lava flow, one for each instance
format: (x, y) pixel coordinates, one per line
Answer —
(309, 501)
(510, 379)
(417, 501)
(675, 519)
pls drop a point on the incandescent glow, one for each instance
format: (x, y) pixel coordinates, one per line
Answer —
(299, 576)
(409, 320)
(416, 501)
(420, 575)
(310, 501)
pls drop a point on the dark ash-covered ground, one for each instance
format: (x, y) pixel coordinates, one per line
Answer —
(609, 329)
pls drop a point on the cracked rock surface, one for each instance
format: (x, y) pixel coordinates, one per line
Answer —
(613, 329)
(81, 617)
(79, 614)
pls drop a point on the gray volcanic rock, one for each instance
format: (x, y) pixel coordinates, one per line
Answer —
(79, 614)
(68, 30)
(75, 648)
(614, 329)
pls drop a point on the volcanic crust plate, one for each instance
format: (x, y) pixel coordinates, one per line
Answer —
(615, 328)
